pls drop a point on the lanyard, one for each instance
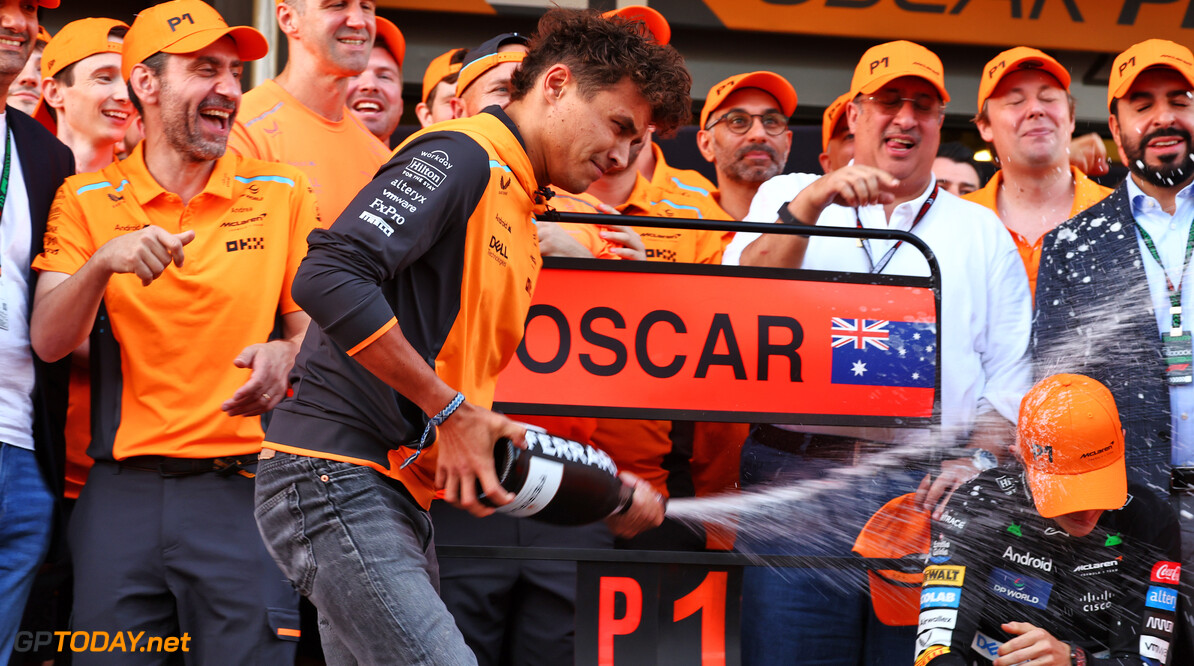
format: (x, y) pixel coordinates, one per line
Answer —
(886, 258)
(1175, 293)
(4, 182)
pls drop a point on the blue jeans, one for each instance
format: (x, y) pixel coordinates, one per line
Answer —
(357, 545)
(819, 617)
(26, 513)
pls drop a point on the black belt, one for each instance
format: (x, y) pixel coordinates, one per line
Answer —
(172, 467)
(1182, 480)
(813, 445)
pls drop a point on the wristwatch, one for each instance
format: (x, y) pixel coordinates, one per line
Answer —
(1077, 656)
(786, 216)
(984, 460)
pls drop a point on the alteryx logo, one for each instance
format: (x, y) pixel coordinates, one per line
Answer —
(940, 597)
(1021, 589)
(1161, 598)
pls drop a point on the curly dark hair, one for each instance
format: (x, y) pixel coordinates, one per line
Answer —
(602, 52)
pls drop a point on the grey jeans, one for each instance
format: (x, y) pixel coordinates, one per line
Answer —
(357, 545)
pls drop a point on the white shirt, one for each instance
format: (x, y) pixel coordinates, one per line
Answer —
(986, 310)
(1169, 236)
(16, 356)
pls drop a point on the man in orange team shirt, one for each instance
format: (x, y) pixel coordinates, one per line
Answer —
(1026, 112)
(439, 87)
(158, 248)
(375, 96)
(300, 117)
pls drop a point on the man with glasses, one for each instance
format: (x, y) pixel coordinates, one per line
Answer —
(744, 133)
(896, 115)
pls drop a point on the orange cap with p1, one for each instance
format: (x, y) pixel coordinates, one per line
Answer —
(1012, 60)
(657, 26)
(769, 82)
(1072, 445)
(886, 62)
(1145, 55)
(185, 26)
(833, 115)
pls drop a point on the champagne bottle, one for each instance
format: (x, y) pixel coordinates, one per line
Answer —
(558, 481)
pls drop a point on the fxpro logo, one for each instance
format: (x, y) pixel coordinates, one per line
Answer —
(1028, 559)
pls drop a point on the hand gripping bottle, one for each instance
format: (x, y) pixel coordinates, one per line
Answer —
(558, 481)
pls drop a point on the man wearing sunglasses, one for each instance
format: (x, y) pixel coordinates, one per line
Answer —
(899, 97)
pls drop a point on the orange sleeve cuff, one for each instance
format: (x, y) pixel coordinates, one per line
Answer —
(373, 338)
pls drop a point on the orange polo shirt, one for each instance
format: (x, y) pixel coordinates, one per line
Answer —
(339, 158)
(1086, 194)
(175, 339)
(649, 199)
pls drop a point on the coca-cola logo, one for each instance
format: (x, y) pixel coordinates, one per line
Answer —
(1167, 572)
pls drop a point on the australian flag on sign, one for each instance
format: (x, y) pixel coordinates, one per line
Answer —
(878, 352)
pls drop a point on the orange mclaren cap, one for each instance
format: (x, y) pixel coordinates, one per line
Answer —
(651, 19)
(833, 115)
(1072, 444)
(769, 82)
(439, 69)
(43, 35)
(48, 4)
(1012, 60)
(185, 26)
(487, 56)
(78, 40)
(897, 529)
(886, 62)
(1147, 54)
(390, 38)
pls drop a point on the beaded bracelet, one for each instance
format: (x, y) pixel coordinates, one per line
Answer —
(435, 422)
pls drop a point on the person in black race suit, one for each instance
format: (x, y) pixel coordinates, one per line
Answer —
(1064, 562)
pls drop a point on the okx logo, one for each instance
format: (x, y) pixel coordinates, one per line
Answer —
(251, 243)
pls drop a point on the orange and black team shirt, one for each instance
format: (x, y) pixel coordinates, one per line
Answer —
(442, 243)
(161, 355)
